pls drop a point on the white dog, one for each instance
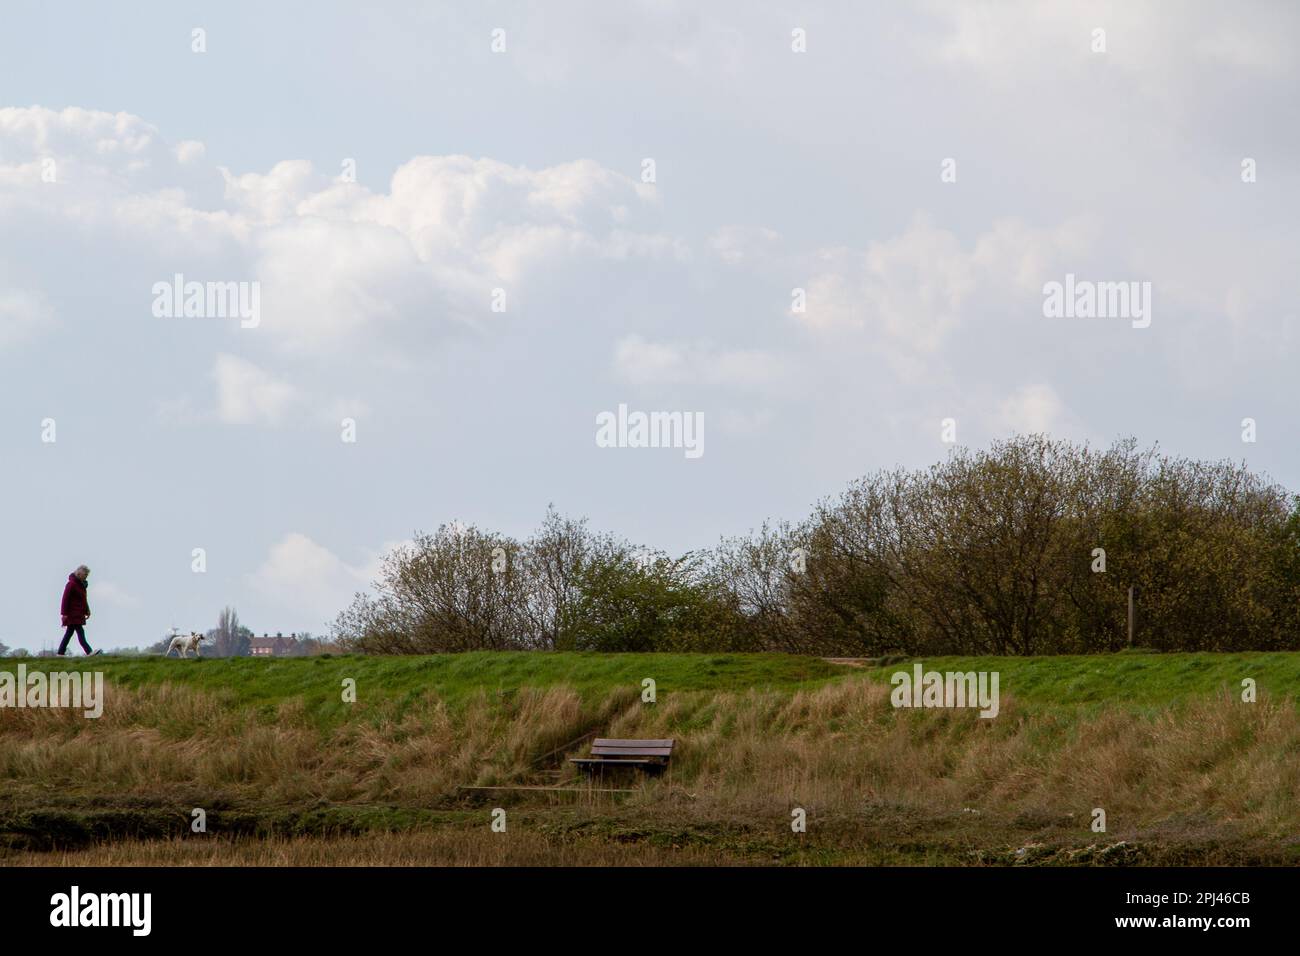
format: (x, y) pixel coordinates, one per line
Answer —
(181, 644)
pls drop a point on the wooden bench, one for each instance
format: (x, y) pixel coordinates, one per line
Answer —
(648, 755)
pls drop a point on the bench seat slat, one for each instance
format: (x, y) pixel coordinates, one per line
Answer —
(619, 742)
(609, 751)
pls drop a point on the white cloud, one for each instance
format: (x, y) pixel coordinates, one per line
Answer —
(117, 141)
(306, 578)
(737, 244)
(248, 395)
(101, 170)
(342, 265)
(1007, 38)
(743, 421)
(910, 292)
(910, 288)
(189, 151)
(1031, 408)
(110, 593)
(640, 362)
(22, 314)
(343, 269)
(273, 196)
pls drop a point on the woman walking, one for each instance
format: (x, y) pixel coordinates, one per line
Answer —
(75, 610)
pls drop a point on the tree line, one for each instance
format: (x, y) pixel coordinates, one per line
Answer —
(1028, 547)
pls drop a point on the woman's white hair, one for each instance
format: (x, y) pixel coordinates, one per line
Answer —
(82, 568)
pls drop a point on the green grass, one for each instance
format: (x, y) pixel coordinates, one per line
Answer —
(453, 678)
(1140, 679)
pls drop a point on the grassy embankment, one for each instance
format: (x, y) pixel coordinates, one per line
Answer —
(288, 773)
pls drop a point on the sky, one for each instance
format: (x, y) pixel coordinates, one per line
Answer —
(821, 229)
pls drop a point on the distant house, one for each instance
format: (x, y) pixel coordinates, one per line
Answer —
(268, 646)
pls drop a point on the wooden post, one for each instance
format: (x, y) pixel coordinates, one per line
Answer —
(1130, 615)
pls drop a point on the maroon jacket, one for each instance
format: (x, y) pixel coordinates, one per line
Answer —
(75, 608)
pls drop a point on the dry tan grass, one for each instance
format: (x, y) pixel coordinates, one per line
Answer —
(1212, 768)
(380, 849)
